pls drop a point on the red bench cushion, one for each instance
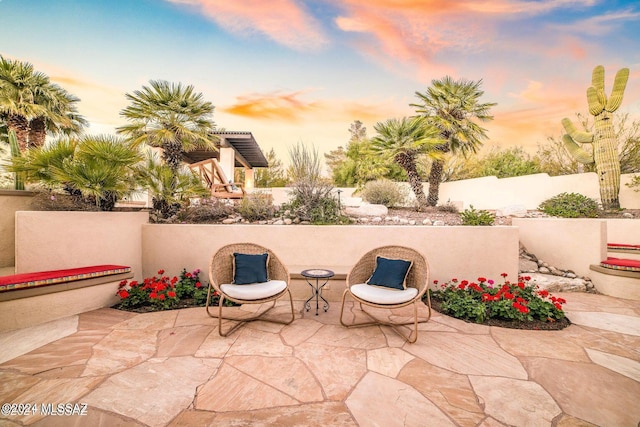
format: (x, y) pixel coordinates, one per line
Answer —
(622, 246)
(44, 278)
(621, 264)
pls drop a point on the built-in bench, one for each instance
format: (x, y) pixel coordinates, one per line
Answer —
(619, 277)
(28, 299)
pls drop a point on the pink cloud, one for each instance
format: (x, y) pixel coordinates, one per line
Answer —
(284, 21)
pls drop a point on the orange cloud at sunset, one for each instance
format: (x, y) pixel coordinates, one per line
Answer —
(284, 21)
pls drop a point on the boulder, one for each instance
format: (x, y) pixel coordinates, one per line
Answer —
(557, 283)
(518, 211)
(367, 209)
(527, 265)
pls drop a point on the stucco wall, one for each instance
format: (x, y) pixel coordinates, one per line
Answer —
(462, 252)
(529, 191)
(10, 202)
(565, 243)
(58, 240)
(623, 231)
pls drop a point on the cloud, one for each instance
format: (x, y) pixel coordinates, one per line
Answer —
(293, 108)
(284, 21)
(601, 24)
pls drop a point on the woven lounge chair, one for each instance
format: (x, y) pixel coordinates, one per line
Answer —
(221, 278)
(417, 280)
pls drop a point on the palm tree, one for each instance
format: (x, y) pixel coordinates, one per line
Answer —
(31, 105)
(97, 168)
(404, 141)
(452, 106)
(168, 190)
(170, 116)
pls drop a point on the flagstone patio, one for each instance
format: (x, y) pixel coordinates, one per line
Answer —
(173, 369)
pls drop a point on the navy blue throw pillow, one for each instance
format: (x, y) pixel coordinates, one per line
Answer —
(249, 269)
(390, 273)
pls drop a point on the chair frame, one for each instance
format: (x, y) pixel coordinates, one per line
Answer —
(221, 272)
(418, 277)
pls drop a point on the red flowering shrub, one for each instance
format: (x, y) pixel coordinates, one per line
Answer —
(511, 301)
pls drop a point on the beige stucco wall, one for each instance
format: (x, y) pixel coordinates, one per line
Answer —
(623, 230)
(529, 191)
(462, 252)
(10, 202)
(565, 243)
(58, 240)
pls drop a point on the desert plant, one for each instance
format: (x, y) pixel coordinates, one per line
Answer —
(603, 140)
(447, 207)
(635, 183)
(473, 216)
(15, 152)
(311, 195)
(206, 211)
(570, 205)
(384, 192)
(256, 207)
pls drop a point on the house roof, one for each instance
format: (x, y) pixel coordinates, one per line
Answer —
(247, 150)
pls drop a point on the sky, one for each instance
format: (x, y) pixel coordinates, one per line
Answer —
(293, 71)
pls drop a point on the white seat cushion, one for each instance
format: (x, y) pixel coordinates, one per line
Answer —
(254, 291)
(381, 295)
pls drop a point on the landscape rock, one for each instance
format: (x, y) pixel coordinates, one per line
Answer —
(558, 284)
(367, 209)
(228, 221)
(544, 270)
(438, 223)
(527, 266)
(426, 221)
(518, 211)
(627, 215)
(288, 221)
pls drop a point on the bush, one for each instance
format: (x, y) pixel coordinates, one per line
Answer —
(472, 216)
(447, 207)
(384, 192)
(206, 211)
(256, 207)
(570, 205)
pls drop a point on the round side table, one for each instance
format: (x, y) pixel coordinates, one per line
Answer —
(317, 274)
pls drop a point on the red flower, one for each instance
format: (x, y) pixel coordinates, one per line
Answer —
(123, 293)
(122, 284)
(174, 280)
(521, 285)
(504, 274)
(161, 272)
(435, 282)
(543, 293)
(558, 306)
(187, 274)
(481, 279)
(133, 284)
(508, 295)
(153, 295)
(454, 280)
(171, 294)
(161, 297)
(461, 286)
(527, 278)
(465, 282)
(486, 297)
(198, 285)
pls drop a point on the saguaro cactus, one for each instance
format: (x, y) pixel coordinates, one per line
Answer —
(603, 139)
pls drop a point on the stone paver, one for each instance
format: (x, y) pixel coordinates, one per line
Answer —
(173, 369)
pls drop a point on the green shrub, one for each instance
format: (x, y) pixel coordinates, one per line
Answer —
(256, 207)
(472, 216)
(635, 183)
(384, 192)
(570, 205)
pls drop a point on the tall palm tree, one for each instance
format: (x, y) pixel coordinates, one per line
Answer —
(31, 105)
(170, 116)
(403, 141)
(453, 106)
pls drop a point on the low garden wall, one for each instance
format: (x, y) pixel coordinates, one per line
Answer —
(11, 201)
(462, 252)
(59, 240)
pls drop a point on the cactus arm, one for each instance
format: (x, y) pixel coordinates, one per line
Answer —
(576, 135)
(619, 84)
(596, 100)
(581, 155)
(15, 152)
(597, 78)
